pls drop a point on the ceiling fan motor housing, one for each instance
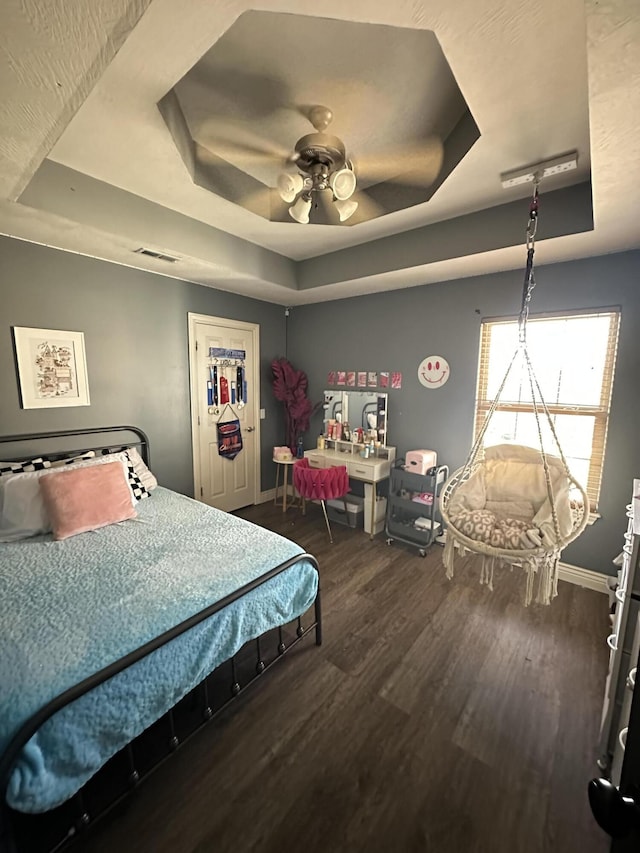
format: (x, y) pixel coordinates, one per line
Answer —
(320, 149)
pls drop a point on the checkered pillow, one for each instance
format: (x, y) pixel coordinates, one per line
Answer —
(71, 460)
(135, 483)
(38, 464)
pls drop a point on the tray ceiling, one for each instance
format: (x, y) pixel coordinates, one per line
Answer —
(537, 80)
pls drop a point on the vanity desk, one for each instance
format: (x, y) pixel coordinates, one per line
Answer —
(372, 470)
(351, 412)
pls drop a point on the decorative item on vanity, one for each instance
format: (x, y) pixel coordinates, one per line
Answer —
(290, 387)
(433, 371)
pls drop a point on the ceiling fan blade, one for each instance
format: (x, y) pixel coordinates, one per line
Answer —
(233, 142)
(259, 202)
(246, 154)
(230, 90)
(417, 164)
(367, 209)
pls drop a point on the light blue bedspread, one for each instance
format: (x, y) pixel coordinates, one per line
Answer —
(67, 609)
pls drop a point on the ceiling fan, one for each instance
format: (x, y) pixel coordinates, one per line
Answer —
(321, 162)
(323, 166)
(320, 175)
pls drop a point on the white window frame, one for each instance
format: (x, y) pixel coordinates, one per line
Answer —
(600, 413)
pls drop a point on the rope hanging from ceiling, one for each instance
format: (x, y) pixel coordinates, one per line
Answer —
(513, 505)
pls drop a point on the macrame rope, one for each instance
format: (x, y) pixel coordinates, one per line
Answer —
(542, 560)
(545, 461)
(527, 289)
(551, 424)
(478, 442)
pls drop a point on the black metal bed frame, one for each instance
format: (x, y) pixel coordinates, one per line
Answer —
(209, 710)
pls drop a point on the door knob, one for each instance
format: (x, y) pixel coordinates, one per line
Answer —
(250, 429)
(613, 812)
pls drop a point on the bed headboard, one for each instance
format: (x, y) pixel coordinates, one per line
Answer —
(71, 442)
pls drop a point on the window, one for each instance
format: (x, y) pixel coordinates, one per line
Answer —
(573, 358)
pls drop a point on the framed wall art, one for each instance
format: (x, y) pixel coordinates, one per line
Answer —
(52, 368)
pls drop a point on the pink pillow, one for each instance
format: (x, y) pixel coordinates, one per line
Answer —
(86, 499)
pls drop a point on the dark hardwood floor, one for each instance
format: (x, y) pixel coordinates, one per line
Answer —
(436, 716)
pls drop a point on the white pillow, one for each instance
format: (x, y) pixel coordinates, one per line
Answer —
(23, 510)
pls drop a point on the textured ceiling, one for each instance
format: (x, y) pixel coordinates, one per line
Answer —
(539, 79)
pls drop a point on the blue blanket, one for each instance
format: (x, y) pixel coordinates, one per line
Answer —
(70, 608)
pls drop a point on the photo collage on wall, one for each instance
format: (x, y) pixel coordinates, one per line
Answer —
(364, 379)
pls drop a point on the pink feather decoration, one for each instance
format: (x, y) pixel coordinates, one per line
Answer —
(290, 387)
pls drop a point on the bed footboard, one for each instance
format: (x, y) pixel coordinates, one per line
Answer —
(240, 672)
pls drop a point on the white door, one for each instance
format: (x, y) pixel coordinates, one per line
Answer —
(220, 481)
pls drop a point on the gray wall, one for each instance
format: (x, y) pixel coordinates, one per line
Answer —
(135, 326)
(395, 331)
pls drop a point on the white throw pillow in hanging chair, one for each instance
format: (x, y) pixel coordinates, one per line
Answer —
(510, 482)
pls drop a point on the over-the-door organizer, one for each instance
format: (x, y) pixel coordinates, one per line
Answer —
(226, 393)
(623, 642)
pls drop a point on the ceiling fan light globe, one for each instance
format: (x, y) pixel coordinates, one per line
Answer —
(343, 184)
(345, 208)
(300, 210)
(289, 186)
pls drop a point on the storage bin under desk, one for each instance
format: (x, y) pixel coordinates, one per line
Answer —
(349, 511)
(373, 470)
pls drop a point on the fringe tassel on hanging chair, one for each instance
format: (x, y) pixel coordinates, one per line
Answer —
(545, 567)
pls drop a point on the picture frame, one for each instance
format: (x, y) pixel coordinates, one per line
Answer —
(52, 368)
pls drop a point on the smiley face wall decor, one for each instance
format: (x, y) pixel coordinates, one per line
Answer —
(433, 371)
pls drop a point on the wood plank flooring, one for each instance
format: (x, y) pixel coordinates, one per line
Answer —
(437, 716)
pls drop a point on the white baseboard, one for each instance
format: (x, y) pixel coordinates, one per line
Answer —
(269, 495)
(584, 577)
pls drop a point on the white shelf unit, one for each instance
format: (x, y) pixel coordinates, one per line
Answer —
(623, 643)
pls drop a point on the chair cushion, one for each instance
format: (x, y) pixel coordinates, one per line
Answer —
(320, 484)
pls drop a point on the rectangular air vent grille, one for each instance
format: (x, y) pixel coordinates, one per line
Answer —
(150, 253)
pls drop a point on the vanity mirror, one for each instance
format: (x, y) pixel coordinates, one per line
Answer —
(364, 409)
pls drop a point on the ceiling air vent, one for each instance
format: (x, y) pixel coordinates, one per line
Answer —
(159, 255)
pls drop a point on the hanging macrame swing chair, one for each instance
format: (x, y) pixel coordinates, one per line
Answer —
(513, 505)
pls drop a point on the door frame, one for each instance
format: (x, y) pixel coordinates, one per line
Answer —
(195, 383)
